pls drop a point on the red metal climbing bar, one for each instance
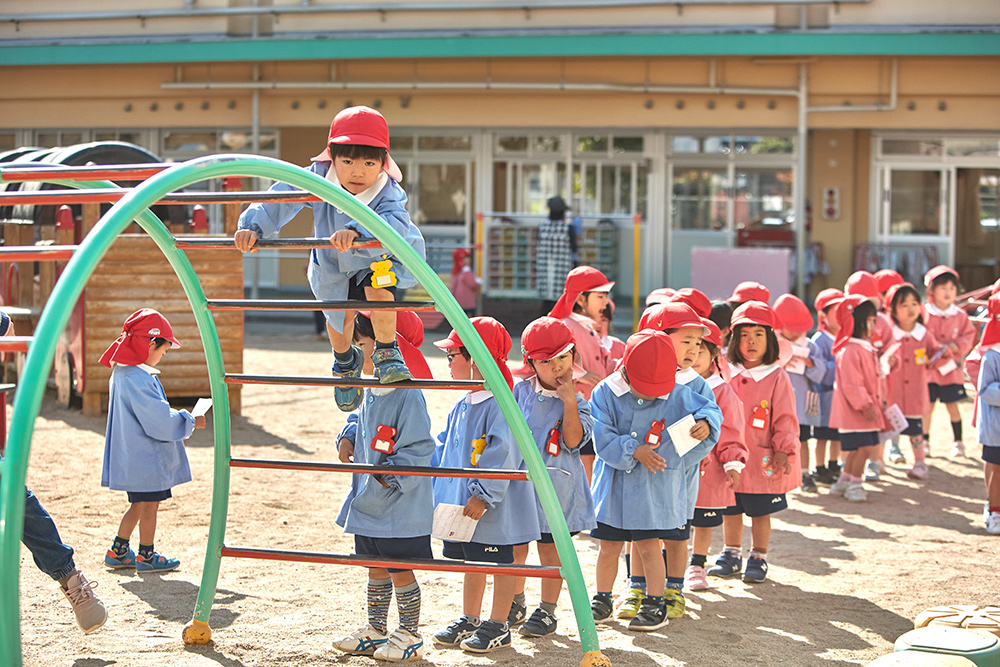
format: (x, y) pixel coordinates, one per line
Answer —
(224, 242)
(112, 195)
(90, 172)
(15, 343)
(305, 304)
(37, 253)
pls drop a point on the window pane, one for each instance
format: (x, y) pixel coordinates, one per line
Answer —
(763, 145)
(700, 144)
(444, 143)
(7, 141)
(699, 199)
(627, 145)
(70, 138)
(48, 139)
(442, 195)
(105, 136)
(512, 144)
(130, 137)
(762, 199)
(190, 141)
(538, 183)
(546, 144)
(235, 141)
(591, 144)
(915, 202)
(974, 147)
(910, 147)
(609, 179)
(401, 144)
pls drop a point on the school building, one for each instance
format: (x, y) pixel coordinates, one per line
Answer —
(857, 133)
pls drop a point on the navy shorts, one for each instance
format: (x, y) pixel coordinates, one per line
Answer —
(587, 448)
(612, 534)
(946, 393)
(805, 432)
(914, 427)
(148, 496)
(991, 454)
(853, 440)
(479, 553)
(394, 547)
(826, 433)
(757, 504)
(707, 518)
(356, 287)
(546, 538)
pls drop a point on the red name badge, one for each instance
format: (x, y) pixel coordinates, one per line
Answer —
(759, 418)
(384, 439)
(653, 437)
(552, 444)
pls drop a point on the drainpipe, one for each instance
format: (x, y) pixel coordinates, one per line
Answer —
(799, 185)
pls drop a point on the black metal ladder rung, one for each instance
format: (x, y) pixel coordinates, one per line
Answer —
(306, 304)
(316, 381)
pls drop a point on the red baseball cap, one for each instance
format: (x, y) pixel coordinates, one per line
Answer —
(828, 297)
(753, 312)
(937, 272)
(750, 290)
(581, 279)
(362, 126)
(132, 347)
(863, 283)
(694, 298)
(671, 315)
(792, 314)
(714, 334)
(545, 338)
(991, 332)
(886, 278)
(650, 363)
(659, 295)
(494, 336)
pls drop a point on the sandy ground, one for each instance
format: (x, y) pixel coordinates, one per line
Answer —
(845, 581)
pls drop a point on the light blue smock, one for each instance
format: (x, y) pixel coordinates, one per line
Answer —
(803, 383)
(569, 478)
(825, 359)
(626, 494)
(143, 443)
(988, 395)
(510, 516)
(406, 508)
(329, 270)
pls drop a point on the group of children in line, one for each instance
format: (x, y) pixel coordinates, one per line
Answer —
(700, 417)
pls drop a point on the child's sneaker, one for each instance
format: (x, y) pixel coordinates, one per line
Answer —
(895, 454)
(808, 483)
(600, 607)
(540, 624)
(993, 523)
(116, 562)
(673, 600)
(756, 571)
(459, 630)
(726, 565)
(855, 493)
(630, 604)
(651, 616)
(401, 645)
(695, 578)
(872, 471)
(958, 450)
(488, 637)
(90, 612)
(157, 563)
(840, 486)
(348, 398)
(516, 615)
(389, 365)
(363, 641)
(918, 471)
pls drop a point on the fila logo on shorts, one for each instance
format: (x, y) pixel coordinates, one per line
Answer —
(709, 514)
(776, 499)
(491, 550)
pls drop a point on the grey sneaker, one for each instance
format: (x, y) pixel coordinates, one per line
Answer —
(389, 365)
(490, 636)
(840, 486)
(808, 483)
(540, 624)
(459, 630)
(90, 612)
(348, 398)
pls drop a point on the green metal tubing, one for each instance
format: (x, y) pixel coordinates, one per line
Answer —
(29, 396)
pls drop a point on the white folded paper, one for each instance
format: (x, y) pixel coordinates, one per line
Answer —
(450, 524)
(886, 354)
(680, 434)
(797, 364)
(895, 421)
(201, 407)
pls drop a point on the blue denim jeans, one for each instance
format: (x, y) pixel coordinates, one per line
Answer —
(41, 537)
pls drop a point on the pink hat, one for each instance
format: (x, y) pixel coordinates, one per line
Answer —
(845, 317)
(132, 347)
(886, 278)
(581, 279)
(891, 294)
(828, 297)
(750, 290)
(671, 315)
(753, 312)
(991, 332)
(863, 283)
(545, 338)
(494, 336)
(659, 295)
(937, 272)
(792, 314)
(650, 363)
(694, 298)
(361, 126)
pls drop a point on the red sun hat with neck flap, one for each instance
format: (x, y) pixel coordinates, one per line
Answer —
(581, 279)
(545, 338)
(362, 126)
(792, 314)
(753, 312)
(494, 336)
(886, 278)
(828, 297)
(845, 317)
(991, 332)
(714, 335)
(694, 298)
(132, 347)
(750, 290)
(671, 315)
(660, 295)
(863, 283)
(650, 363)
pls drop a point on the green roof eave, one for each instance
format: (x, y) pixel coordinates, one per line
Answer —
(473, 46)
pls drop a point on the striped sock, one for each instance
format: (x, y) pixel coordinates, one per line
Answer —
(408, 601)
(379, 597)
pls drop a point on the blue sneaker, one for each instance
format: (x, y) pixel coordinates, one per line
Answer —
(158, 563)
(348, 398)
(389, 365)
(116, 562)
(457, 632)
(756, 571)
(726, 565)
(489, 636)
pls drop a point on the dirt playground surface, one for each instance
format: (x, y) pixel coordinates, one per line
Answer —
(845, 580)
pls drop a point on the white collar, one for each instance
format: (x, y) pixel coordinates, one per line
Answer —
(540, 390)
(477, 397)
(583, 320)
(947, 312)
(149, 369)
(381, 391)
(758, 373)
(863, 343)
(366, 196)
(995, 347)
(918, 333)
(687, 375)
(714, 380)
(619, 387)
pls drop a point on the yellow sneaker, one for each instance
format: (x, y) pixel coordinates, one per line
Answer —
(630, 604)
(676, 604)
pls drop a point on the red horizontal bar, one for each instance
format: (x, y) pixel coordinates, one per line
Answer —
(226, 243)
(286, 304)
(433, 565)
(314, 381)
(108, 196)
(15, 343)
(415, 471)
(97, 172)
(40, 253)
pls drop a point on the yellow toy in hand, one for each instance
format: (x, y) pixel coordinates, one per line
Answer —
(478, 445)
(382, 275)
